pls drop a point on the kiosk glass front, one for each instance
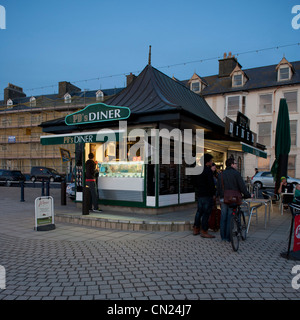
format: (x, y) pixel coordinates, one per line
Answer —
(121, 181)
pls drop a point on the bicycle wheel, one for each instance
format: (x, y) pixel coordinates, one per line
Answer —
(234, 233)
(243, 226)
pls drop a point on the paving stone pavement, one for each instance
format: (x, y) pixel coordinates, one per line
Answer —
(75, 262)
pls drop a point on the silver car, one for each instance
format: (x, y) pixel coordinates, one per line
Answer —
(264, 179)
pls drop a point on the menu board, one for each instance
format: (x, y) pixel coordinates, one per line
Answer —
(186, 181)
(168, 179)
(44, 213)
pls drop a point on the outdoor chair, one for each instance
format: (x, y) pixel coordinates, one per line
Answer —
(271, 196)
(249, 211)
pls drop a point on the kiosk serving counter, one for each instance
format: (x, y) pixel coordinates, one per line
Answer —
(123, 181)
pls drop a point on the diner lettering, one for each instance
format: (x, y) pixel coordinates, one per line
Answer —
(108, 114)
(98, 112)
(83, 139)
(79, 139)
(240, 131)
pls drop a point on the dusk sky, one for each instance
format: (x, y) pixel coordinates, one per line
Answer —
(50, 41)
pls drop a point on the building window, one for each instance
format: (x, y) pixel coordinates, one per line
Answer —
(291, 100)
(36, 119)
(195, 86)
(235, 104)
(292, 166)
(21, 121)
(237, 80)
(283, 73)
(99, 95)
(293, 130)
(264, 133)
(263, 164)
(6, 122)
(265, 103)
(67, 98)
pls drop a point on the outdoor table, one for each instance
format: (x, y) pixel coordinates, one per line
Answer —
(282, 195)
(258, 202)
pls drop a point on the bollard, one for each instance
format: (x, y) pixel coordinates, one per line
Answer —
(63, 201)
(47, 188)
(43, 188)
(22, 191)
(86, 200)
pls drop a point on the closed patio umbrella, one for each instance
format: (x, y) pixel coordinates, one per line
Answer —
(282, 144)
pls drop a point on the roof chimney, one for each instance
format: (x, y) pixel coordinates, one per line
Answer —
(130, 78)
(227, 64)
(66, 87)
(13, 92)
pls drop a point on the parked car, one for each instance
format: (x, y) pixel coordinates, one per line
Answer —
(264, 179)
(71, 190)
(39, 173)
(8, 176)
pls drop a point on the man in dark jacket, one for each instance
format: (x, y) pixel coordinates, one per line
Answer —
(205, 189)
(90, 170)
(231, 180)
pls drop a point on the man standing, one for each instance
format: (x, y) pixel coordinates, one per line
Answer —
(205, 188)
(90, 168)
(230, 179)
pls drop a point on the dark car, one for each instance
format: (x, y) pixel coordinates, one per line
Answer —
(40, 173)
(7, 177)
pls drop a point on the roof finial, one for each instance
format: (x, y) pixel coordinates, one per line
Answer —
(149, 59)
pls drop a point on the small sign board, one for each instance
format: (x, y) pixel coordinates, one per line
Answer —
(297, 234)
(44, 214)
(11, 139)
(65, 155)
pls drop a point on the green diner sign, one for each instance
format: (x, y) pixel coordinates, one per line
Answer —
(97, 112)
(81, 138)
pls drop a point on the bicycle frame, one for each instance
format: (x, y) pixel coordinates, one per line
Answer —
(237, 227)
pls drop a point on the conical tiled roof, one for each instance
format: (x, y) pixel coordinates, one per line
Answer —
(153, 91)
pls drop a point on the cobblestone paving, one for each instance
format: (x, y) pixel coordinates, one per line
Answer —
(83, 263)
(169, 267)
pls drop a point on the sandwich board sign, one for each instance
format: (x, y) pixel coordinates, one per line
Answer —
(44, 214)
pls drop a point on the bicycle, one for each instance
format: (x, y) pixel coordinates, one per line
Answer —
(238, 227)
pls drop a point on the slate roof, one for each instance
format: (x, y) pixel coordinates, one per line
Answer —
(15, 108)
(258, 78)
(55, 96)
(153, 92)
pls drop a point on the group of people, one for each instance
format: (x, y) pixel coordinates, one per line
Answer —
(208, 188)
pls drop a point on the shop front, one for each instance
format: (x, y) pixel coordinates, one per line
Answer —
(137, 166)
(148, 142)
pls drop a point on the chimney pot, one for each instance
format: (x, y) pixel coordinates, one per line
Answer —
(130, 78)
